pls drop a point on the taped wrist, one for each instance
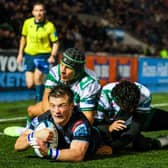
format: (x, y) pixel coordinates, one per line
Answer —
(53, 153)
(30, 137)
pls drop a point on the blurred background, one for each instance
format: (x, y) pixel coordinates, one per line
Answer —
(121, 39)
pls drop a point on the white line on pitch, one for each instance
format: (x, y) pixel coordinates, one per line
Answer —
(160, 105)
(12, 119)
(23, 118)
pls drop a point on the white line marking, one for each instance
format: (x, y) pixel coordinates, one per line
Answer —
(160, 105)
(12, 119)
(24, 118)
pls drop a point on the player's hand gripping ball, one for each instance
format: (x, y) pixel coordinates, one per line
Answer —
(52, 143)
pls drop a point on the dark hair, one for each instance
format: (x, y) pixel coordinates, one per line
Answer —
(126, 94)
(38, 3)
(60, 91)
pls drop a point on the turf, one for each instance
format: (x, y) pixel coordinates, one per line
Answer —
(11, 159)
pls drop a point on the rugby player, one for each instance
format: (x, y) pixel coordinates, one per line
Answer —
(124, 111)
(72, 72)
(77, 140)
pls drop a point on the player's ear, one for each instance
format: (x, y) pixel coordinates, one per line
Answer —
(72, 105)
(45, 12)
(33, 12)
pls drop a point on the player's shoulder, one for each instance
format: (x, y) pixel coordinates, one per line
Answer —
(90, 78)
(90, 74)
(29, 20)
(55, 71)
(143, 89)
(109, 86)
(49, 23)
(78, 120)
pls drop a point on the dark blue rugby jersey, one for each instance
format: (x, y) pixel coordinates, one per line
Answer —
(77, 128)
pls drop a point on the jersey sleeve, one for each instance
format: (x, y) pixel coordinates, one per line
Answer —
(34, 123)
(24, 28)
(53, 33)
(52, 78)
(81, 132)
(89, 94)
(105, 103)
(107, 109)
(145, 100)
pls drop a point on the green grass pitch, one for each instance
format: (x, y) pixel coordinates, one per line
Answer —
(11, 159)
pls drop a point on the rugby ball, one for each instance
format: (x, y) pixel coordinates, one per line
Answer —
(52, 143)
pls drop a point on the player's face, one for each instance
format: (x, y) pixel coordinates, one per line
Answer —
(66, 73)
(38, 12)
(61, 109)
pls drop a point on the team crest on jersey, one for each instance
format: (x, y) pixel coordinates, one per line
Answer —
(35, 122)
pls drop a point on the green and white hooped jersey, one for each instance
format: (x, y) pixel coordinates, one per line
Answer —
(85, 91)
(107, 107)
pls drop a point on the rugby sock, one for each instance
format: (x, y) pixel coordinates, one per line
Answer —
(39, 92)
(28, 121)
(163, 141)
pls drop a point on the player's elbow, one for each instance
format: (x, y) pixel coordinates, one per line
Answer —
(79, 158)
(18, 147)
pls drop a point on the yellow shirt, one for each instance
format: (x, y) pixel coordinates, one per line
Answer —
(164, 53)
(38, 38)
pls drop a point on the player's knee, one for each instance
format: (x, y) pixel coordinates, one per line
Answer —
(29, 86)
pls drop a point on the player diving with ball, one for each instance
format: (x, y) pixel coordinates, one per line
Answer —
(74, 139)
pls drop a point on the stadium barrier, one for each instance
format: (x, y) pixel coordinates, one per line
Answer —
(152, 72)
(111, 68)
(12, 78)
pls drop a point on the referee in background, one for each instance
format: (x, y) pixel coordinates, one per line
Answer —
(39, 46)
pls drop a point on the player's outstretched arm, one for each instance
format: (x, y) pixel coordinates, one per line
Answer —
(22, 143)
(29, 138)
(75, 153)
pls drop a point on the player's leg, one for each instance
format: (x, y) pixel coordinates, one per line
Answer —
(29, 70)
(42, 69)
(35, 110)
(159, 120)
(29, 79)
(39, 86)
(142, 143)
